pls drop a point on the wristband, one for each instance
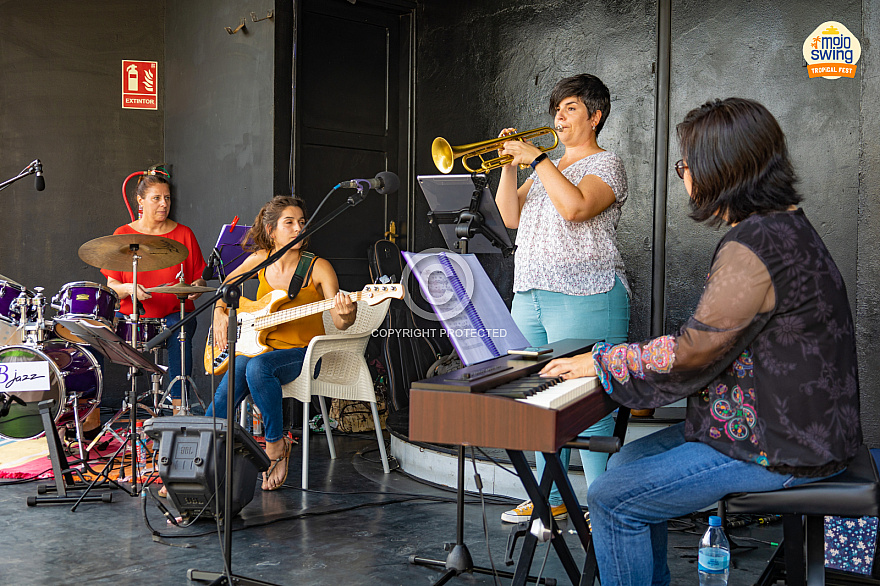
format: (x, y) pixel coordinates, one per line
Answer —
(537, 160)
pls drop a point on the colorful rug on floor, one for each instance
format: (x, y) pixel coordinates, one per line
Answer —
(21, 459)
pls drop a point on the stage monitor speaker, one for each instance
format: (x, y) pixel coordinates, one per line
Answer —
(187, 458)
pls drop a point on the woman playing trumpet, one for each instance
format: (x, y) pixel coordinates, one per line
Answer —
(569, 279)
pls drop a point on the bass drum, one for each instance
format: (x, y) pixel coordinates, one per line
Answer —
(74, 375)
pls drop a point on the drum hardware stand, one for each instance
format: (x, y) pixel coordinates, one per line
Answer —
(63, 473)
(187, 383)
(23, 301)
(35, 331)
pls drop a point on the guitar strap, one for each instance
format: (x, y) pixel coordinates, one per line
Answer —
(302, 275)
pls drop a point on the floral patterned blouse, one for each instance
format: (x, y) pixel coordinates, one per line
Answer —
(575, 258)
(767, 361)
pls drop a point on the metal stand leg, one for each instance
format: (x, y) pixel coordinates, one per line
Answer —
(553, 472)
(63, 474)
(187, 382)
(459, 560)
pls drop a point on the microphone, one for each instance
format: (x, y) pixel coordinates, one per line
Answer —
(39, 181)
(208, 271)
(384, 182)
(6, 400)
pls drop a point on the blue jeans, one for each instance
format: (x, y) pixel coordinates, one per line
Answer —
(545, 317)
(654, 479)
(173, 347)
(261, 377)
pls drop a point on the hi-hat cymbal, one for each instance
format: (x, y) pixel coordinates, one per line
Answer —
(114, 253)
(181, 289)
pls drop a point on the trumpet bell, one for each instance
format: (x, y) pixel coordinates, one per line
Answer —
(443, 155)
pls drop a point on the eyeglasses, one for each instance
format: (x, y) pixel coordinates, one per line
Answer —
(680, 166)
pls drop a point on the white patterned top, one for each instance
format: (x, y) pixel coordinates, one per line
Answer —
(575, 258)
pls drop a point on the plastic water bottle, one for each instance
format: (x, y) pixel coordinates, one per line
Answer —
(714, 555)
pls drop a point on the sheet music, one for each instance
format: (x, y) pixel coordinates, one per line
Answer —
(464, 299)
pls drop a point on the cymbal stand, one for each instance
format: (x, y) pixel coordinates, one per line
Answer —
(156, 384)
(187, 382)
(131, 405)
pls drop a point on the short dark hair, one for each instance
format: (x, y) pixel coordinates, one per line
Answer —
(147, 181)
(738, 161)
(589, 89)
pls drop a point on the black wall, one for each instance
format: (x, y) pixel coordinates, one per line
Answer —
(60, 101)
(219, 123)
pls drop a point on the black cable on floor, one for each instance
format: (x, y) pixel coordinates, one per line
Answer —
(479, 484)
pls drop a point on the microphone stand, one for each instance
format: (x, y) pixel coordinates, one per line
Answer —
(29, 170)
(230, 293)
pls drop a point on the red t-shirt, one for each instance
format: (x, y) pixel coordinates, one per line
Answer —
(164, 304)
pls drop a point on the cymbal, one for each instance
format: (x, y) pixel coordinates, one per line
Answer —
(8, 280)
(113, 253)
(181, 289)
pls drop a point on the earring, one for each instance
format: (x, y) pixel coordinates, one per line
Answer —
(594, 127)
(140, 211)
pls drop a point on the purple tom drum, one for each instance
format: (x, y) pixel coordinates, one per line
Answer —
(92, 302)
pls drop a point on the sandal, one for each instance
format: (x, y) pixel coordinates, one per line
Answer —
(163, 492)
(286, 459)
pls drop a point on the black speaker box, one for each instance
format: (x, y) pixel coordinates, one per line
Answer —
(192, 453)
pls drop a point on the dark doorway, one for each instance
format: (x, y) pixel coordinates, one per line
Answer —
(351, 110)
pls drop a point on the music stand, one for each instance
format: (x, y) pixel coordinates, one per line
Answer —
(118, 351)
(465, 211)
(229, 251)
(475, 226)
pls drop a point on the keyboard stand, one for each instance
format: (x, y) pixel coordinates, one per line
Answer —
(459, 560)
(539, 494)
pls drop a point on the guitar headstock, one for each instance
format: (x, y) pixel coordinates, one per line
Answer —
(373, 294)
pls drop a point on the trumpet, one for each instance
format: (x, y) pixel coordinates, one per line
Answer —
(444, 154)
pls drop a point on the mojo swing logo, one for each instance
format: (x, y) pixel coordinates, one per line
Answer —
(832, 51)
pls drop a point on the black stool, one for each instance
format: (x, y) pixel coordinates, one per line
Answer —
(853, 493)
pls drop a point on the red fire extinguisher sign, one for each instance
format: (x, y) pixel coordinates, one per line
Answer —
(140, 85)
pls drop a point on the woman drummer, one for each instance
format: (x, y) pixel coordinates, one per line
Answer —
(154, 199)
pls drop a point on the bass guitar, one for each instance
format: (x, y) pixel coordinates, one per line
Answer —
(256, 319)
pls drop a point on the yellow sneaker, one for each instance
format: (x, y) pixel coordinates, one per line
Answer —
(523, 512)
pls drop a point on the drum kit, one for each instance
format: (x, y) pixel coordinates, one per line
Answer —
(75, 374)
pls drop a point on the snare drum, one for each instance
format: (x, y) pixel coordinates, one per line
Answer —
(92, 302)
(9, 292)
(148, 328)
(74, 375)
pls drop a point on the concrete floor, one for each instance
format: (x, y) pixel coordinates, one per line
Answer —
(357, 526)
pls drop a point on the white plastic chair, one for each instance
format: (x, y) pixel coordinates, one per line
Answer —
(344, 374)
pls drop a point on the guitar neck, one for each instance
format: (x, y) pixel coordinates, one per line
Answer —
(279, 317)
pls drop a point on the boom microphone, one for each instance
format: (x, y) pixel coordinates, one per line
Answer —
(384, 182)
(39, 181)
(208, 272)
